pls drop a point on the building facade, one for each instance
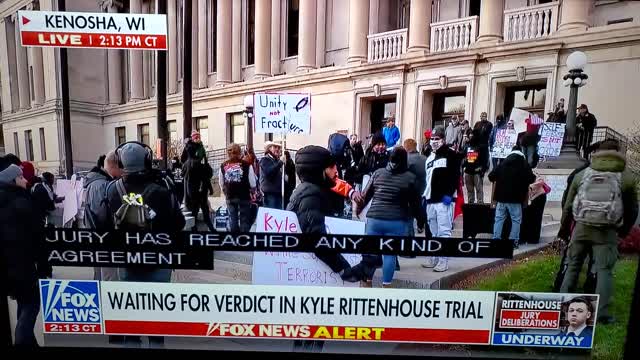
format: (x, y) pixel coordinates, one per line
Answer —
(421, 61)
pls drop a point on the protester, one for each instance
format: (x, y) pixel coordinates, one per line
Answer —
(603, 202)
(44, 196)
(426, 147)
(512, 179)
(194, 148)
(20, 234)
(530, 138)
(416, 165)
(197, 175)
(376, 158)
(501, 124)
(357, 149)
(289, 178)
(391, 133)
(453, 133)
(29, 173)
(442, 180)
(485, 127)
(587, 124)
(317, 171)
(559, 115)
(256, 195)
(152, 206)
(475, 166)
(394, 203)
(237, 180)
(271, 175)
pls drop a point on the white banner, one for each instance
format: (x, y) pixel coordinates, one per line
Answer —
(282, 113)
(551, 138)
(519, 118)
(505, 141)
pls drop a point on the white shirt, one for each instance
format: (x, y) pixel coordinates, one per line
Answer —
(578, 331)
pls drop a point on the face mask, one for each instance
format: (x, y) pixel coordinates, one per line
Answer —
(435, 144)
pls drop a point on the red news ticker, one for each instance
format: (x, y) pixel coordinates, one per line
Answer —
(530, 319)
(313, 332)
(72, 328)
(89, 40)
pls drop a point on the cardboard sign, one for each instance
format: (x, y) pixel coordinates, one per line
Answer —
(558, 184)
(93, 30)
(282, 113)
(505, 141)
(519, 118)
(551, 138)
(279, 268)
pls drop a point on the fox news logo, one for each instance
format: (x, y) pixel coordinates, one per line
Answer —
(71, 306)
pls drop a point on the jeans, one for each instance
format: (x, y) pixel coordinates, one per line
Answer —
(474, 184)
(386, 227)
(28, 309)
(273, 200)
(440, 220)
(239, 215)
(515, 212)
(200, 202)
(530, 153)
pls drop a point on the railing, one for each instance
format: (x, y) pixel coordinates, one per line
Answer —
(531, 22)
(387, 46)
(601, 133)
(455, 34)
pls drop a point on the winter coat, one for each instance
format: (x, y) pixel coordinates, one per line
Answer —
(442, 174)
(453, 135)
(476, 158)
(158, 197)
(20, 232)
(588, 121)
(193, 150)
(43, 200)
(357, 152)
(96, 212)
(608, 161)
(391, 135)
(270, 175)
(371, 162)
(512, 177)
(485, 128)
(416, 165)
(197, 179)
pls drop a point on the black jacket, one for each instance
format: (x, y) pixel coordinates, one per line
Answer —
(43, 202)
(588, 121)
(371, 162)
(393, 194)
(158, 197)
(443, 174)
(358, 152)
(485, 127)
(20, 232)
(512, 177)
(197, 179)
(476, 158)
(270, 175)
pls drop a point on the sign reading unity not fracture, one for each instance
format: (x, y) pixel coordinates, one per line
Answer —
(282, 113)
(551, 137)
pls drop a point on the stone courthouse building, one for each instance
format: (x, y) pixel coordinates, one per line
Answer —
(421, 61)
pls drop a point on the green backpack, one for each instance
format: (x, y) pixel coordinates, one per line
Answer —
(599, 199)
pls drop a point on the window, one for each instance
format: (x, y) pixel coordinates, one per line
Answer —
(143, 134)
(16, 144)
(251, 31)
(620, 21)
(43, 145)
(28, 145)
(474, 7)
(31, 85)
(172, 127)
(293, 16)
(237, 129)
(121, 135)
(201, 124)
(529, 98)
(212, 13)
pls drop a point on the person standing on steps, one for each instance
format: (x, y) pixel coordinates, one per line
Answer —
(271, 166)
(391, 133)
(237, 180)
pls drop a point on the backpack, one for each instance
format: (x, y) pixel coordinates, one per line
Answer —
(133, 214)
(599, 199)
(338, 145)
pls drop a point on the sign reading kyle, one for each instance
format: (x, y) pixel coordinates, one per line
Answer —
(93, 30)
(282, 113)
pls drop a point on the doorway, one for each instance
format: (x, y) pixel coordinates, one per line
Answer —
(446, 106)
(375, 113)
(530, 98)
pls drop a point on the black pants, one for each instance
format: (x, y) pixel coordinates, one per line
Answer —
(28, 309)
(200, 202)
(239, 215)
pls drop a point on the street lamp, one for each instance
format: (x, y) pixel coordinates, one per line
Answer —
(575, 79)
(247, 113)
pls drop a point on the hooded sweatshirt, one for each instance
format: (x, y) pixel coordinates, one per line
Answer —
(392, 191)
(512, 177)
(607, 161)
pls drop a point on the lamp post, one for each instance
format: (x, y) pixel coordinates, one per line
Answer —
(248, 115)
(569, 157)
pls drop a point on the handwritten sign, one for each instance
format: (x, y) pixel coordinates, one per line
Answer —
(505, 141)
(282, 113)
(558, 184)
(298, 269)
(551, 137)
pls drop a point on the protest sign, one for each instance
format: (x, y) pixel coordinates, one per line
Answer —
(93, 30)
(540, 319)
(551, 137)
(279, 268)
(505, 141)
(519, 118)
(282, 113)
(558, 184)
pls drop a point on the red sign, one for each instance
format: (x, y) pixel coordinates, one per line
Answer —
(530, 319)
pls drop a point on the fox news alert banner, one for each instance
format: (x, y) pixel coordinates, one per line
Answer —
(93, 30)
(548, 320)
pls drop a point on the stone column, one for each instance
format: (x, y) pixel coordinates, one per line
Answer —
(419, 25)
(35, 53)
(236, 42)
(575, 14)
(203, 53)
(321, 34)
(491, 15)
(114, 63)
(276, 16)
(172, 64)
(223, 42)
(135, 61)
(307, 35)
(22, 65)
(358, 31)
(263, 39)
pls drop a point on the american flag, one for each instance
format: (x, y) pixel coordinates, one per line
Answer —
(534, 119)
